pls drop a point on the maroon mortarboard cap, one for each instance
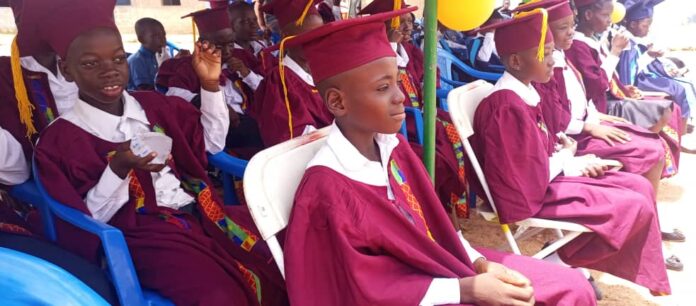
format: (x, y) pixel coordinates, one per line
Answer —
(217, 3)
(557, 8)
(382, 6)
(56, 23)
(526, 30)
(346, 44)
(291, 11)
(210, 20)
(584, 3)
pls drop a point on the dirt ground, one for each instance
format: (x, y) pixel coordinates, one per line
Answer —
(675, 202)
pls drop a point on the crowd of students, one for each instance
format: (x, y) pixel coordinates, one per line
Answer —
(367, 226)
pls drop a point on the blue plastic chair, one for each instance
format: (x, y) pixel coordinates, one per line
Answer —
(232, 168)
(29, 280)
(447, 60)
(474, 48)
(418, 120)
(172, 48)
(118, 259)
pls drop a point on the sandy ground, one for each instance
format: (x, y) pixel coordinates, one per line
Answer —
(674, 204)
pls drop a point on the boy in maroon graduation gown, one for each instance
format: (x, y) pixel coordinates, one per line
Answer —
(377, 235)
(567, 110)
(237, 82)
(184, 243)
(287, 103)
(523, 169)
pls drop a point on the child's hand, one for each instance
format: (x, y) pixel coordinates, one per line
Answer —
(182, 53)
(612, 119)
(488, 289)
(634, 92)
(504, 274)
(124, 161)
(395, 35)
(208, 65)
(569, 144)
(607, 133)
(594, 170)
(618, 43)
(237, 65)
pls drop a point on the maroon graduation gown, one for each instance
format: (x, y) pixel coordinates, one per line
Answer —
(348, 244)
(638, 155)
(271, 113)
(587, 60)
(513, 147)
(250, 60)
(187, 259)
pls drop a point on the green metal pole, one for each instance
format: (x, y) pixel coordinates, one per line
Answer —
(429, 90)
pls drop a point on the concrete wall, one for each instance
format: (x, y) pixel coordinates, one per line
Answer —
(127, 15)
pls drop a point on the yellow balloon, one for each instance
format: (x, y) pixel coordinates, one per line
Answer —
(464, 15)
(619, 13)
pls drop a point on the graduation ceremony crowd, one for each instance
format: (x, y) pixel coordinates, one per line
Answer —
(577, 95)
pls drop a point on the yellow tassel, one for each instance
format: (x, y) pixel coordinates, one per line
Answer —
(193, 29)
(396, 21)
(544, 28)
(281, 69)
(24, 106)
(300, 21)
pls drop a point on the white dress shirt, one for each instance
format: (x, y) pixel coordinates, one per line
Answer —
(341, 156)
(64, 93)
(581, 110)
(487, 47)
(402, 58)
(111, 192)
(14, 168)
(558, 160)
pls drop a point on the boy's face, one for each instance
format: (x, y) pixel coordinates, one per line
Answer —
(368, 98)
(245, 24)
(97, 63)
(153, 38)
(406, 26)
(640, 28)
(223, 41)
(599, 20)
(526, 65)
(563, 31)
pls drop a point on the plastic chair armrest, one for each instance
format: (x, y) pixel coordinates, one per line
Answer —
(228, 164)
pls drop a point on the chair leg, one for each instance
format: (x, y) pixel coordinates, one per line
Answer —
(556, 245)
(510, 239)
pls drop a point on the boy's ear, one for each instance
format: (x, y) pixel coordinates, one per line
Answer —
(515, 62)
(65, 70)
(588, 15)
(335, 101)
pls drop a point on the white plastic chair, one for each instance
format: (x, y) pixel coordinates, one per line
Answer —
(463, 102)
(270, 182)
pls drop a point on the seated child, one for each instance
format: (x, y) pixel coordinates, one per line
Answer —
(378, 235)
(529, 177)
(185, 245)
(238, 91)
(247, 42)
(567, 110)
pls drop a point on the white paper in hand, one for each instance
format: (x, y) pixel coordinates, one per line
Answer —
(146, 143)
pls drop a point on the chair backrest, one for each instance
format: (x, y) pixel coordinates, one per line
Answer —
(463, 102)
(272, 177)
(448, 59)
(474, 48)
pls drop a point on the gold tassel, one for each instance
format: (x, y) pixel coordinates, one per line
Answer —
(281, 69)
(544, 28)
(24, 106)
(300, 21)
(396, 21)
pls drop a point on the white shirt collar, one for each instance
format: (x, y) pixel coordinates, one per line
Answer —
(107, 126)
(295, 67)
(559, 59)
(402, 58)
(341, 156)
(64, 93)
(526, 92)
(593, 43)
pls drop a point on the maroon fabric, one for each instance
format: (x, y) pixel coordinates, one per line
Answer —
(193, 264)
(587, 60)
(380, 6)
(557, 9)
(518, 34)
(289, 11)
(250, 60)
(271, 113)
(346, 44)
(416, 62)
(512, 147)
(583, 3)
(638, 155)
(40, 95)
(41, 18)
(348, 244)
(210, 20)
